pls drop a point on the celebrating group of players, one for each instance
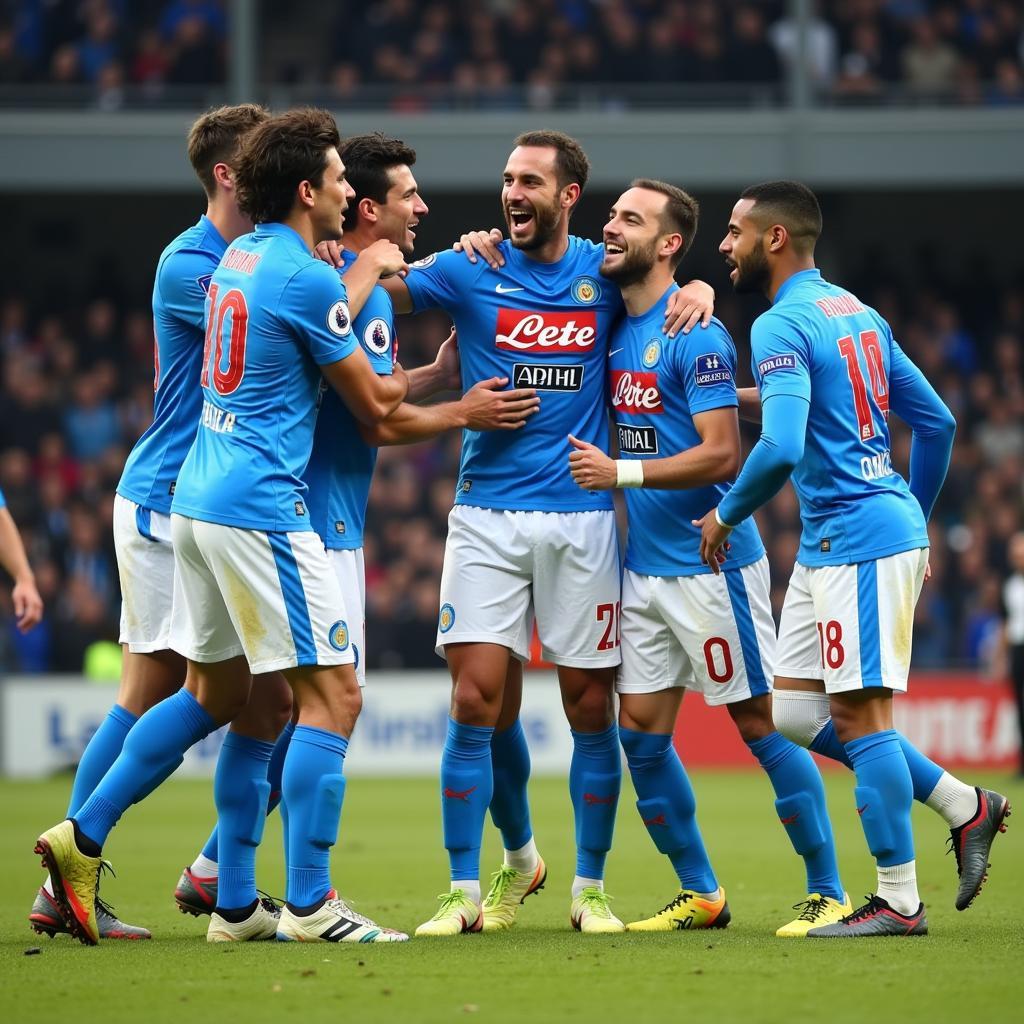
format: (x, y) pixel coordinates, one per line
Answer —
(239, 518)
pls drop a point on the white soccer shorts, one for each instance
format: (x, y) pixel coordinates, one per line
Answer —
(350, 572)
(851, 625)
(713, 634)
(502, 568)
(145, 566)
(270, 596)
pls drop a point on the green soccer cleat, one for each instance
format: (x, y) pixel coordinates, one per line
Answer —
(509, 887)
(75, 878)
(590, 913)
(456, 915)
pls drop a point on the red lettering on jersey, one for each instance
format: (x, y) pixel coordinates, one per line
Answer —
(636, 391)
(839, 305)
(239, 259)
(551, 333)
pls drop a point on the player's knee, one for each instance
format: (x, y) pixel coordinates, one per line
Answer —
(593, 709)
(753, 718)
(475, 700)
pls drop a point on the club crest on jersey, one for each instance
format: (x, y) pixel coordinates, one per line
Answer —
(783, 361)
(711, 369)
(446, 619)
(337, 635)
(377, 336)
(425, 262)
(585, 290)
(339, 321)
(204, 282)
(652, 353)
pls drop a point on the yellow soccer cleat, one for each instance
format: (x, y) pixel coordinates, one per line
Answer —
(75, 878)
(457, 914)
(815, 912)
(509, 888)
(590, 913)
(688, 910)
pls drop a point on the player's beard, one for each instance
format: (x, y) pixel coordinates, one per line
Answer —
(636, 264)
(753, 274)
(545, 227)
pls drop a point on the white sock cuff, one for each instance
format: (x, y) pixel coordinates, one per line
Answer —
(800, 714)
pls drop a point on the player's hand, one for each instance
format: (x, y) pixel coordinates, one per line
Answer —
(488, 408)
(714, 541)
(590, 467)
(484, 243)
(330, 253)
(927, 571)
(448, 364)
(385, 257)
(28, 605)
(693, 303)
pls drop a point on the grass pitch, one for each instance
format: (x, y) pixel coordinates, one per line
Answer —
(390, 863)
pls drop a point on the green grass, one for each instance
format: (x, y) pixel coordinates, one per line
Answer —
(391, 864)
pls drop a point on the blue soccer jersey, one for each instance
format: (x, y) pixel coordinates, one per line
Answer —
(274, 315)
(183, 277)
(820, 343)
(542, 325)
(341, 465)
(657, 385)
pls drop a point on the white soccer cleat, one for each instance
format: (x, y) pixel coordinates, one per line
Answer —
(334, 921)
(456, 915)
(259, 926)
(590, 913)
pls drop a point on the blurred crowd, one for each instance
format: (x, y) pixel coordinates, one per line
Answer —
(77, 391)
(412, 55)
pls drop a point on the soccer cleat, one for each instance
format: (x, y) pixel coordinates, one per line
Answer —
(75, 878)
(45, 919)
(456, 915)
(333, 921)
(875, 918)
(972, 841)
(815, 911)
(687, 910)
(590, 912)
(194, 894)
(509, 888)
(259, 926)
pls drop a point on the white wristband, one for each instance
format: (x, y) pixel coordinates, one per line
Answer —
(629, 473)
(721, 522)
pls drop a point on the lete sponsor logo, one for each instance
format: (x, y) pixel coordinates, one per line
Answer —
(636, 392)
(553, 333)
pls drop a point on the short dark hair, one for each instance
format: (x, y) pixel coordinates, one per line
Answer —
(681, 212)
(571, 163)
(216, 136)
(791, 204)
(368, 159)
(278, 156)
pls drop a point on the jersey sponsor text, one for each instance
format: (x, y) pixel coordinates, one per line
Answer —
(636, 392)
(637, 440)
(521, 331)
(218, 420)
(548, 378)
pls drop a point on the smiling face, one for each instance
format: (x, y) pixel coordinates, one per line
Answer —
(744, 250)
(400, 213)
(330, 200)
(635, 236)
(531, 199)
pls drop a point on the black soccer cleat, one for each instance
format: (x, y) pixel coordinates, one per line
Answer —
(876, 918)
(972, 841)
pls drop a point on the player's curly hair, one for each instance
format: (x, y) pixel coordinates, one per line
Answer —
(215, 138)
(791, 204)
(571, 162)
(368, 159)
(278, 156)
(681, 213)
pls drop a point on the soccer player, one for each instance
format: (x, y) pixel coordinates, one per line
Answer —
(829, 371)
(674, 403)
(28, 605)
(257, 594)
(523, 540)
(142, 539)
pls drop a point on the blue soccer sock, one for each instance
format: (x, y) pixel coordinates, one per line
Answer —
(314, 790)
(800, 803)
(240, 791)
(467, 785)
(884, 796)
(274, 772)
(99, 754)
(595, 778)
(152, 750)
(510, 808)
(668, 806)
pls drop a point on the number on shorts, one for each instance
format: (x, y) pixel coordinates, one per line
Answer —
(609, 614)
(830, 642)
(876, 371)
(233, 302)
(722, 644)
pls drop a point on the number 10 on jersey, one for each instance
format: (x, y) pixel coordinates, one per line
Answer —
(872, 350)
(225, 380)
